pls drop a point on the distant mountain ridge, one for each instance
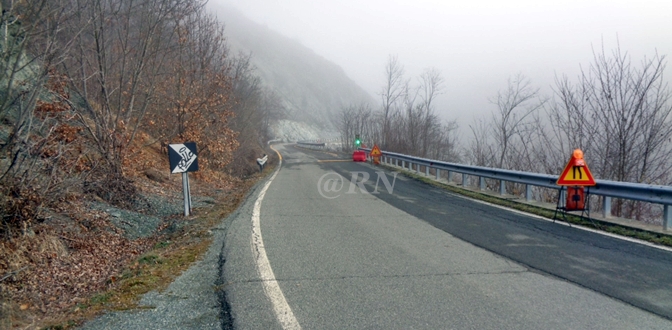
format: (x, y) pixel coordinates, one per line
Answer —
(313, 89)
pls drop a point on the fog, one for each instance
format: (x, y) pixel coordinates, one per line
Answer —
(477, 45)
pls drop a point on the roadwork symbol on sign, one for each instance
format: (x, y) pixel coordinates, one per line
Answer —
(183, 157)
(576, 172)
(375, 151)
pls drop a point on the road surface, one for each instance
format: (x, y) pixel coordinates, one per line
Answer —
(304, 254)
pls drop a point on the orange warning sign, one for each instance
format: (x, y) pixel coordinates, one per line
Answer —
(375, 151)
(576, 172)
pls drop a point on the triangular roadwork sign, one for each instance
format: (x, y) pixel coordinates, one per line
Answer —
(375, 151)
(576, 175)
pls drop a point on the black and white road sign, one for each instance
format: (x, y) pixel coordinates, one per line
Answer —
(183, 157)
(262, 161)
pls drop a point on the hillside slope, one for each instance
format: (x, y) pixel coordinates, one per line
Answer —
(313, 89)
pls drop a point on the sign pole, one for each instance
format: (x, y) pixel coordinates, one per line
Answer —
(185, 189)
(189, 193)
(183, 159)
(261, 162)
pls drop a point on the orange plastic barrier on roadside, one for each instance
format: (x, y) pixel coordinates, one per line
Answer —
(359, 156)
(575, 199)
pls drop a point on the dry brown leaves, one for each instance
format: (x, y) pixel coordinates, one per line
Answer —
(61, 265)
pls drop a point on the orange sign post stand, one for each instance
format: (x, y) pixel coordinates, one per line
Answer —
(375, 154)
(575, 177)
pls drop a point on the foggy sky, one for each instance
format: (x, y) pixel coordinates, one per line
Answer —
(476, 44)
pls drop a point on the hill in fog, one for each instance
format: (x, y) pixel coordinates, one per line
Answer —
(312, 88)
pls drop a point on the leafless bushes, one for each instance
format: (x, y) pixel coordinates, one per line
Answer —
(502, 140)
(617, 112)
(620, 115)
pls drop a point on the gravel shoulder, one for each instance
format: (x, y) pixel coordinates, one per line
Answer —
(195, 300)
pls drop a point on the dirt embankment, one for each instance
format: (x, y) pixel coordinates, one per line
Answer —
(87, 256)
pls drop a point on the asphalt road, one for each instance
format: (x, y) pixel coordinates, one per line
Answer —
(421, 258)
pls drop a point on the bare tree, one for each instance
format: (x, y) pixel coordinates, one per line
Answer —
(431, 86)
(193, 101)
(392, 91)
(620, 114)
(407, 121)
(114, 73)
(514, 106)
(35, 135)
(29, 32)
(356, 120)
(481, 152)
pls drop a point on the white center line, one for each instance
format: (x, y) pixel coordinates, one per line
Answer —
(282, 310)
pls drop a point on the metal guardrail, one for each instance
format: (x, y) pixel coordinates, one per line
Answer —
(607, 189)
(311, 144)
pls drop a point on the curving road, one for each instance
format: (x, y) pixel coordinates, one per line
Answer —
(417, 257)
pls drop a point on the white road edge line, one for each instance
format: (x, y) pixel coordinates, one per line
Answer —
(280, 306)
(603, 233)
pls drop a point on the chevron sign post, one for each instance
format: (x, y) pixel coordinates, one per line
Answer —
(183, 158)
(261, 162)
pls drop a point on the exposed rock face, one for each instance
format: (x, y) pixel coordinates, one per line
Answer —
(292, 131)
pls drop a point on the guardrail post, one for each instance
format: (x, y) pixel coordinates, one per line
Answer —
(464, 180)
(396, 162)
(450, 176)
(438, 176)
(667, 217)
(417, 168)
(426, 170)
(606, 206)
(528, 192)
(502, 187)
(403, 164)
(481, 183)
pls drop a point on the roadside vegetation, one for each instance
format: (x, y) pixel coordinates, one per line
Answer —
(91, 94)
(617, 111)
